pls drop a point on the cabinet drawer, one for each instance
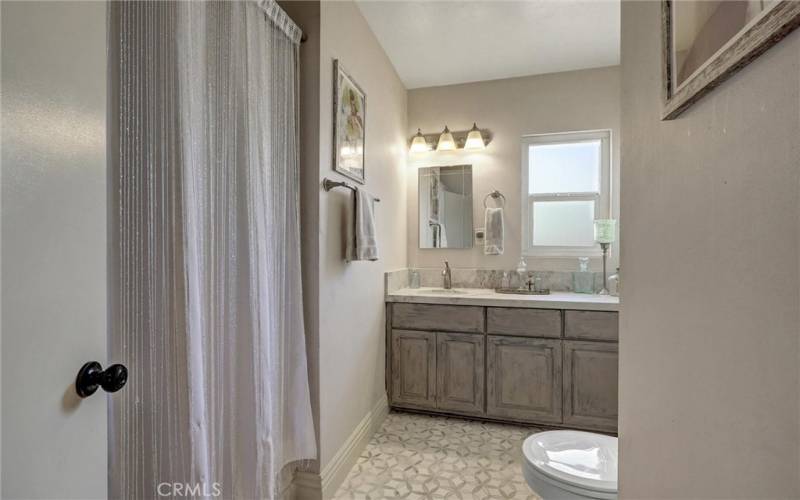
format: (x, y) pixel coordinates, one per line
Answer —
(437, 317)
(591, 325)
(524, 322)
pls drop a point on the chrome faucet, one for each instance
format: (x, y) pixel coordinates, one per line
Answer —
(447, 277)
(437, 233)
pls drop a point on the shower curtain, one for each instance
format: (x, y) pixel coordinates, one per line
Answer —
(206, 305)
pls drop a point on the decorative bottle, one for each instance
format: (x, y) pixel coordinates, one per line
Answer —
(583, 279)
(522, 271)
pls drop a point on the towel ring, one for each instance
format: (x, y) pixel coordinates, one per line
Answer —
(497, 195)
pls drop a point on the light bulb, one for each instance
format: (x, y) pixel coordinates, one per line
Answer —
(474, 138)
(446, 141)
(418, 143)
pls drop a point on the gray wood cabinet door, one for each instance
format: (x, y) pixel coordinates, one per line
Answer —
(413, 369)
(523, 379)
(460, 372)
(590, 385)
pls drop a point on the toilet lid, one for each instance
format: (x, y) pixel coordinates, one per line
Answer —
(582, 459)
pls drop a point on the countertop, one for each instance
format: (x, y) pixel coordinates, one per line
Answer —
(485, 297)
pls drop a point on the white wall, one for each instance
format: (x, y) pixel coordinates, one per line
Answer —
(710, 321)
(510, 108)
(351, 332)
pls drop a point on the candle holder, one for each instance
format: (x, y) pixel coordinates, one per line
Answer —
(604, 290)
(605, 233)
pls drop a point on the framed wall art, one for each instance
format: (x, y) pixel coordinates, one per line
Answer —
(706, 41)
(349, 125)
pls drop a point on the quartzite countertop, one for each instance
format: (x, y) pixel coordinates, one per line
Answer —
(484, 297)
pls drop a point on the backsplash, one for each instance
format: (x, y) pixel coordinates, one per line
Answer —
(557, 281)
(395, 280)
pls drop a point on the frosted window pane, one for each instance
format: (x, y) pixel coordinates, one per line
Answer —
(563, 223)
(565, 168)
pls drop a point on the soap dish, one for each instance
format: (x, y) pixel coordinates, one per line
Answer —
(517, 291)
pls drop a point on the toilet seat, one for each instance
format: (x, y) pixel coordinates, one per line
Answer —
(582, 463)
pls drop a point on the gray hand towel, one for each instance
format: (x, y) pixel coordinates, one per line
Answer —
(362, 243)
(493, 241)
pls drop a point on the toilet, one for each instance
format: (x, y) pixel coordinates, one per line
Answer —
(567, 464)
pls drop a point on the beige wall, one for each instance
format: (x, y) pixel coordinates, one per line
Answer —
(345, 311)
(510, 108)
(344, 307)
(307, 16)
(710, 324)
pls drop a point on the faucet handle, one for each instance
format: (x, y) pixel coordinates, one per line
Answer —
(533, 282)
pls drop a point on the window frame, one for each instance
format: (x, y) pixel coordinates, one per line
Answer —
(602, 200)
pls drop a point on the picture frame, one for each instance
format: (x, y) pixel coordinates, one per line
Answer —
(349, 125)
(697, 56)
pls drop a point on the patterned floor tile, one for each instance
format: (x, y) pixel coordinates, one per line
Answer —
(428, 457)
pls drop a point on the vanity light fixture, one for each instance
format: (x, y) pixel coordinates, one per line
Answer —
(446, 141)
(418, 143)
(474, 138)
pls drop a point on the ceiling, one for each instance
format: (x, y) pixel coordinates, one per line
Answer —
(435, 43)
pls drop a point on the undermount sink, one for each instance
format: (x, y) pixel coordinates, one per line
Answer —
(451, 291)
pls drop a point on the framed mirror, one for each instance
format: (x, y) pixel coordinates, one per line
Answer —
(445, 207)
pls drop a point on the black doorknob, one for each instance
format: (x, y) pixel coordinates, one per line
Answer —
(91, 376)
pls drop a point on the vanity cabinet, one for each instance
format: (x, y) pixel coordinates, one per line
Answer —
(590, 384)
(413, 374)
(523, 377)
(438, 370)
(460, 372)
(539, 366)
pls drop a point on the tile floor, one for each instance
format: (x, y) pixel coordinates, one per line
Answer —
(420, 456)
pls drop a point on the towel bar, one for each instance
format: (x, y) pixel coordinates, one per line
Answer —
(328, 184)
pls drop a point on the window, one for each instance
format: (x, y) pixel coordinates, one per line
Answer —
(566, 181)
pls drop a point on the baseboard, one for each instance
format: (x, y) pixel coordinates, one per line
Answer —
(313, 486)
(335, 472)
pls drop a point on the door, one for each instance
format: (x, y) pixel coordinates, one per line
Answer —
(53, 247)
(460, 372)
(414, 369)
(590, 385)
(523, 379)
